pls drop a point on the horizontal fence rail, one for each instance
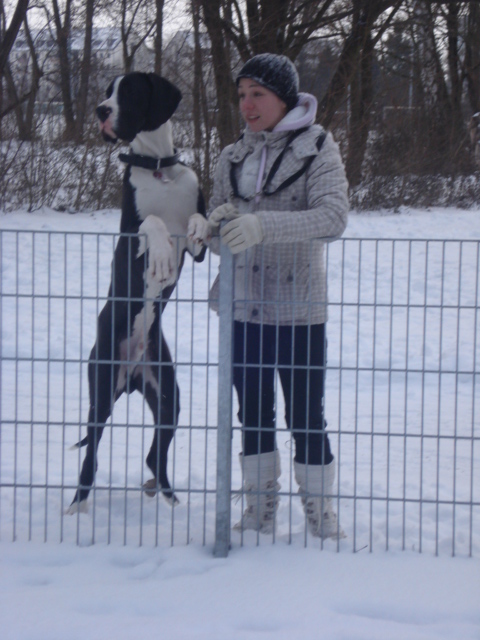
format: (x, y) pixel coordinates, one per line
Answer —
(401, 401)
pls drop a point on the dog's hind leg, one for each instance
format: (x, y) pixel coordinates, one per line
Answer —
(100, 377)
(89, 468)
(111, 358)
(103, 379)
(163, 397)
(157, 460)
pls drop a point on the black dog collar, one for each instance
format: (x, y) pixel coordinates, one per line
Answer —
(147, 162)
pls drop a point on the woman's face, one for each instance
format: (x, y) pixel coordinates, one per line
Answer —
(261, 109)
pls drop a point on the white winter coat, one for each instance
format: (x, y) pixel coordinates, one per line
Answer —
(283, 280)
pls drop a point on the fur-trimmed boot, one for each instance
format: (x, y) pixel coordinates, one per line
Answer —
(315, 484)
(260, 475)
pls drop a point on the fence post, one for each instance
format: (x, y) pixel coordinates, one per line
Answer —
(224, 427)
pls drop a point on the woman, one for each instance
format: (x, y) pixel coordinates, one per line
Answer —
(280, 187)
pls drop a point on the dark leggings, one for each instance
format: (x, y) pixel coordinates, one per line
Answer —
(298, 354)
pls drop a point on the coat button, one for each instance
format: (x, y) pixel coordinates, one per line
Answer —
(255, 312)
(290, 278)
(255, 268)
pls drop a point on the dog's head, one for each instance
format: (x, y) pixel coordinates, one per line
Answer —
(136, 102)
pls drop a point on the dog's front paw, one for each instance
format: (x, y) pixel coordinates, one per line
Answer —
(161, 256)
(199, 229)
(161, 263)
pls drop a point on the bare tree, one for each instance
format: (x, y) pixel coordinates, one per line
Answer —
(9, 33)
(157, 67)
(85, 71)
(440, 129)
(222, 68)
(341, 45)
(368, 12)
(472, 56)
(204, 118)
(136, 27)
(63, 26)
(32, 75)
(279, 26)
(361, 98)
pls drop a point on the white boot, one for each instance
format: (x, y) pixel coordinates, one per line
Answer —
(260, 475)
(315, 483)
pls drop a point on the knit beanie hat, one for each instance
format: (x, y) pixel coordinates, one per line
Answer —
(274, 72)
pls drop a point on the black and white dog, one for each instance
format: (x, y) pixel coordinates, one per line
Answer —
(159, 196)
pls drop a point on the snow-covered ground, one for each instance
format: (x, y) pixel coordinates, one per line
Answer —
(402, 432)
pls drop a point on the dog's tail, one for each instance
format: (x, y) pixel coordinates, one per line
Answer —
(80, 444)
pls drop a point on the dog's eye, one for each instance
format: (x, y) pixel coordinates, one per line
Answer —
(109, 90)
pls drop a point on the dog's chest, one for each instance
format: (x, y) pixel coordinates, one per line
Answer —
(172, 195)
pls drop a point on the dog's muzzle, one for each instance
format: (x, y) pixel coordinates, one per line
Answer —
(103, 113)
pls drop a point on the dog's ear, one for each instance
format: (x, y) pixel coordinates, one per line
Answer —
(164, 102)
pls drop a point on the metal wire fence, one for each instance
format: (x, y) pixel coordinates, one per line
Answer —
(402, 402)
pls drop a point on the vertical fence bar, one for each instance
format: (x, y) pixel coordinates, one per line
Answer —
(17, 382)
(423, 402)
(224, 427)
(1, 369)
(357, 391)
(456, 415)
(475, 376)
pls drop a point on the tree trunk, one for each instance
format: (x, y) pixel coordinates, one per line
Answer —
(267, 23)
(16, 104)
(158, 36)
(37, 74)
(436, 105)
(131, 30)
(361, 99)
(367, 12)
(225, 88)
(8, 39)
(127, 59)
(202, 125)
(24, 115)
(472, 56)
(197, 81)
(458, 132)
(63, 37)
(85, 71)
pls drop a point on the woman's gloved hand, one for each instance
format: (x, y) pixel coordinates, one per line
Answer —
(242, 232)
(225, 211)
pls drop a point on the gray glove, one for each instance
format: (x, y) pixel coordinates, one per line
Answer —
(242, 233)
(225, 211)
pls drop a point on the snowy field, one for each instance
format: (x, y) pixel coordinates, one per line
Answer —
(402, 408)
